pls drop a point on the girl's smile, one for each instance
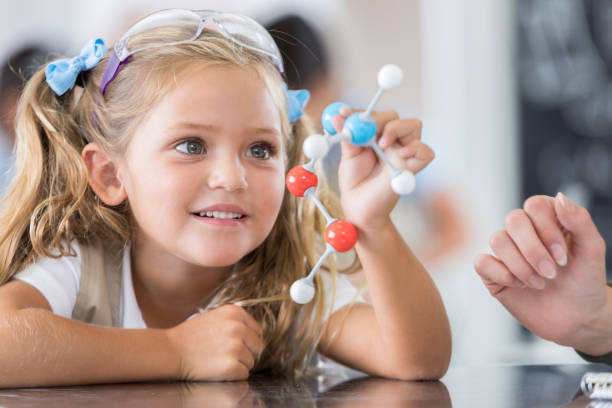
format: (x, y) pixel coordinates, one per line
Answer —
(222, 214)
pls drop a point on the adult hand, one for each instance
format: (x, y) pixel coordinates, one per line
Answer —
(548, 270)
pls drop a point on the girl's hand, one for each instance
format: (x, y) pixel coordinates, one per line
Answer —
(364, 180)
(221, 344)
(549, 271)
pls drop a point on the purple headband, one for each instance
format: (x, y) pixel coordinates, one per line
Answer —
(112, 68)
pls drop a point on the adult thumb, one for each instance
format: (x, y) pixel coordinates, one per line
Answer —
(577, 220)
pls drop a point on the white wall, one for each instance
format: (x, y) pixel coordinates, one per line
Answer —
(470, 104)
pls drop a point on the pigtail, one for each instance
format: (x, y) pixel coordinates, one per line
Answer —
(49, 179)
(48, 203)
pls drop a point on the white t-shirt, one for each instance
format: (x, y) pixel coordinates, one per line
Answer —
(58, 280)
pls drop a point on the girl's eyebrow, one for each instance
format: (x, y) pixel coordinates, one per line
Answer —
(265, 130)
(260, 130)
(193, 125)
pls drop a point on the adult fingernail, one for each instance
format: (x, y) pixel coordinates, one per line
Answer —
(565, 202)
(537, 283)
(559, 254)
(547, 269)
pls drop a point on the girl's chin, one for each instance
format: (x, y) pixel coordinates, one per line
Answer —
(222, 251)
(216, 264)
(216, 258)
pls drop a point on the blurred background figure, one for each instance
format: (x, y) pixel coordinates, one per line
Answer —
(307, 64)
(15, 71)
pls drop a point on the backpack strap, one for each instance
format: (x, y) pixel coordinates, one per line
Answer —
(100, 286)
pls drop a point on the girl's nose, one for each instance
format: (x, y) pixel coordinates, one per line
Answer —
(228, 173)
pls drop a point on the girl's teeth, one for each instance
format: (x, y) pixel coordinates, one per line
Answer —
(220, 214)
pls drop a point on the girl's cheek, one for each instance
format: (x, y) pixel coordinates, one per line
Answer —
(280, 183)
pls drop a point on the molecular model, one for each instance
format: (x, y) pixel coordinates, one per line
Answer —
(359, 129)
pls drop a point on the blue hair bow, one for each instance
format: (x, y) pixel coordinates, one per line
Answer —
(296, 100)
(61, 75)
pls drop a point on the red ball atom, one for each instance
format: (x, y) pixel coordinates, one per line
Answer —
(342, 235)
(299, 180)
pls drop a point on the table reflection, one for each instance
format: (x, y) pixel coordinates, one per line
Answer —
(380, 392)
(258, 392)
(179, 394)
(498, 386)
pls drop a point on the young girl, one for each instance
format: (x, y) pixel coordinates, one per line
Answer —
(154, 188)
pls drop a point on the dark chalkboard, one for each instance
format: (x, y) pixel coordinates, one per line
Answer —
(565, 79)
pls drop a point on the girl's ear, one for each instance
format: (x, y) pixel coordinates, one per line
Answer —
(102, 173)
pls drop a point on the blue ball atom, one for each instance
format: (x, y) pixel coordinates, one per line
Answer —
(329, 112)
(362, 130)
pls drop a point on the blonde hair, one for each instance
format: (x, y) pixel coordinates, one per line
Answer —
(49, 201)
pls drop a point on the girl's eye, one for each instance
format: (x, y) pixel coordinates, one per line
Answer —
(261, 151)
(191, 147)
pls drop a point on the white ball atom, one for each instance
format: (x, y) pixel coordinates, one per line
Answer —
(403, 183)
(390, 76)
(302, 291)
(315, 146)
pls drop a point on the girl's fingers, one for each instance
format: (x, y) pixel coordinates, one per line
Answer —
(349, 150)
(522, 232)
(253, 342)
(541, 211)
(507, 252)
(494, 274)
(338, 120)
(250, 322)
(402, 131)
(238, 313)
(382, 120)
(347, 111)
(246, 358)
(416, 156)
